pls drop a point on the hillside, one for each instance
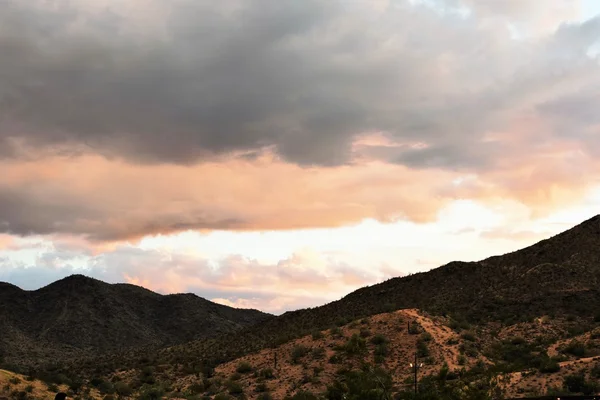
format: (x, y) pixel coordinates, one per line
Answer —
(78, 315)
(371, 358)
(527, 322)
(557, 276)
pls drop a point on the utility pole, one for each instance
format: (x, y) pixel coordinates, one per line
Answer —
(416, 369)
(416, 366)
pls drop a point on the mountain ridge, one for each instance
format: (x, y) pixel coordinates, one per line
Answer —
(78, 315)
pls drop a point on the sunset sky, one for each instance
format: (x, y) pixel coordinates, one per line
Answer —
(278, 154)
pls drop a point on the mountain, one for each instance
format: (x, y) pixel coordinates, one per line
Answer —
(505, 322)
(557, 276)
(80, 315)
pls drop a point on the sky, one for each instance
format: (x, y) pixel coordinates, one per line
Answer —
(279, 154)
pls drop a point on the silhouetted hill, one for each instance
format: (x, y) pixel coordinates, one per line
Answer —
(557, 276)
(81, 315)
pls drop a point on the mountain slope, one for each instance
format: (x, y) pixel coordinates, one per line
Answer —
(79, 315)
(557, 276)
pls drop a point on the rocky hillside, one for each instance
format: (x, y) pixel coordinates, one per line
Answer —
(80, 315)
(557, 277)
(371, 358)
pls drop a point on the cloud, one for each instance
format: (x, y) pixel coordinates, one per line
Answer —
(107, 200)
(304, 279)
(303, 78)
(124, 120)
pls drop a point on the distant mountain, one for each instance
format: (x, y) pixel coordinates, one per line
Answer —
(557, 276)
(80, 315)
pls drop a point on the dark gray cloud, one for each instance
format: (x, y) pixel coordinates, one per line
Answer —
(183, 81)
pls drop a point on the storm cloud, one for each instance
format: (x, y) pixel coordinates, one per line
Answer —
(120, 120)
(186, 81)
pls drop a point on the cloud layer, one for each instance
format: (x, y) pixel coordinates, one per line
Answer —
(303, 78)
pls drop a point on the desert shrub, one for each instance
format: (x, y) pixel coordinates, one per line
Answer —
(244, 367)
(578, 384)
(595, 372)
(264, 396)
(266, 373)
(261, 387)
(316, 335)
(422, 349)
(426, 337)
(365, 332)
(469, 336)
(575, 348)
(379, 339)
(234, 387)
(318, 353)
(236, 376)
(196, 388)
(152, 393)
(123, 389)
(298, 352)
(355, 345)
(549, 366)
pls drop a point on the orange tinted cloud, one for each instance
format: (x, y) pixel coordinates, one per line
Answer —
(111, 200)
(114, 200)
(6, 241)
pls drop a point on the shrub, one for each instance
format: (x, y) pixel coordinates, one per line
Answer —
(261, 387)
(549, 366)
(318, 353)
(234, 388)
(123, 389)
(266, 373)
(575, 348)
(379, 339)
(355, 345)
(365, 332)
(244, 367)
(316, 335)
(298, 352)
(469, 336)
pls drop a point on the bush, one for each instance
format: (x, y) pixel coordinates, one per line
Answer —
(123, 389)
(318, 353)
(244, 367)
(316, 335)
(261, 387)
(379, 339)
(234, 388)
(422, 349)
(549, 366)
(575, 348)
(469, 336)
(298, 352)
(266, 373)
(365, 332)
(355, 345)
